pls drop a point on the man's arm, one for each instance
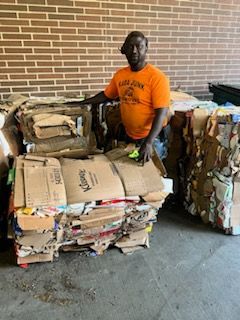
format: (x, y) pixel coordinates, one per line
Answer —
(145, 152)
(97, 99)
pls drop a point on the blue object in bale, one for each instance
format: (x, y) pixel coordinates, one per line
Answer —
(223, 93)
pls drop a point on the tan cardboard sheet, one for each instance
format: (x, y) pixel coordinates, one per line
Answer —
(35, 240)
(40, 257)
(38, 182)
(89, 180)
(26, 222)
(138, 180)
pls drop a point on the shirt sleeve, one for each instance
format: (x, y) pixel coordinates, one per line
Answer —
(160, 92)
(111, 91)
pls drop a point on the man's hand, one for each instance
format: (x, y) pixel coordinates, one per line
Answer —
(145, 152)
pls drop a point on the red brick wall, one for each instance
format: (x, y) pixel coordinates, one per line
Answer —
(54, 47)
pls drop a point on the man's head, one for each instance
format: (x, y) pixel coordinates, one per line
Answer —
(135, 48)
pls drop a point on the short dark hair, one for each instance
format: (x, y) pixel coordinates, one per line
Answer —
(129, 36)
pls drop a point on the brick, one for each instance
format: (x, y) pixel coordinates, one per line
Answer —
(76, 38)
(8, 15)
(88, 18)
(51, 37)
(13, 83)
(18, 22)
(62, 44)
(49, 63)
(61, 16)
(42, 9)
(50, 76)
(63, 30)
(111, 5)
(16, 36)
(74, 63)
(9, 29)
(53, 88)
(39, 70)
(14, 7)
(24, 89)
(37, 43)
(92, 4)
(42, 2)
(44, 23)
(66, 70)
(23, 76)
(75, 75)
(34, 29)
(11, 57)
(68, 81)
(21, 64)
(60, 3)
(100, 12)
(33, 15)
(70, 10)
(10, 43)
(12, 70)
(72, 24)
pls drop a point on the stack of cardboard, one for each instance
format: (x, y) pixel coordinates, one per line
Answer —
(214, 168)
(77, 204)
(55, 127)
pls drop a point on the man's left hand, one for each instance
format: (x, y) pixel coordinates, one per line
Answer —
(145, 152)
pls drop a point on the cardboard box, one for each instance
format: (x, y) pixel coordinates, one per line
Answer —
(91, 180)
(38, 182)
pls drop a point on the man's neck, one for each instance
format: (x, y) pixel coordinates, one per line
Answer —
(138, 67)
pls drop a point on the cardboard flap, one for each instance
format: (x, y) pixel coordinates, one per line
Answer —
(136, 179)
(90, 180)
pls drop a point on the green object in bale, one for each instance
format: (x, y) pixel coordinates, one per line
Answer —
(133, 154)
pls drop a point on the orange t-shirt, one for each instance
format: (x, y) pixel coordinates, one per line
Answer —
(140, 93)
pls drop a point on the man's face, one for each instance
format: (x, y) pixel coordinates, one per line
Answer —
(136, 50)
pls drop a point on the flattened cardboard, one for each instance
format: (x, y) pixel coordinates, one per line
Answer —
(38, 182)
(44, 186)
(155, 196)
(139, 238)
(35, 223)
(40, 257)
(138, 180)
(76, 153)
(236, 192)
(90, 180)
(35, 240)
(235, 215)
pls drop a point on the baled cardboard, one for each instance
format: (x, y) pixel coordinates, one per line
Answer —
(91, 180)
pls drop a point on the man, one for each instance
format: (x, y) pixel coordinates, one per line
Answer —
(144, 95)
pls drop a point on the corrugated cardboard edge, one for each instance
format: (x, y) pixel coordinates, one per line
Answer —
(39, 257)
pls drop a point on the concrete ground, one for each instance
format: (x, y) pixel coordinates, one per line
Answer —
(190, 272)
